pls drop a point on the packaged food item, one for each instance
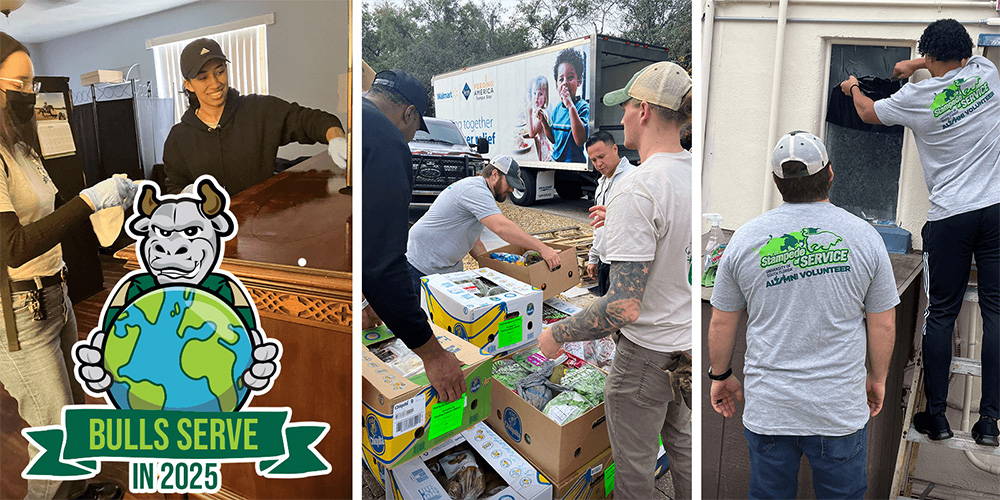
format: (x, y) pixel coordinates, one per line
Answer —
(508, 372)
(531, 257)
(599, 352)
(586, 381)
(508, 257)
(536, 388)
(566, 406)
(395, 354)
(464, 479)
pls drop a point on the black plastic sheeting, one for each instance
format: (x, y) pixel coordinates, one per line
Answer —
(840, 107)
(866, 160)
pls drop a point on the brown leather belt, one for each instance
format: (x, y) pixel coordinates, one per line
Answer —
(38, 283)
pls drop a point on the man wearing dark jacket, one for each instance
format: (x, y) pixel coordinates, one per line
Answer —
(232, 137)
(391, 113)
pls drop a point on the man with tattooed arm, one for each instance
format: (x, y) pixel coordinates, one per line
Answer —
(648, 307)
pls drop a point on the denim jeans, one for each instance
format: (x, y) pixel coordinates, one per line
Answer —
(40, 374)
(837, 462)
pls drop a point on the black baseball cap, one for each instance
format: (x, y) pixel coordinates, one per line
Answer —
(407, 86)
(197, 53)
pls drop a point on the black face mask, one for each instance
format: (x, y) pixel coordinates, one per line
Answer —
(20, 106)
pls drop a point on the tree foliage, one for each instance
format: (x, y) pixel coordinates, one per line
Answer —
(429, 37)
(660, 22)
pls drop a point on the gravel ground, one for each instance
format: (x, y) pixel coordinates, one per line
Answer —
(534, 219)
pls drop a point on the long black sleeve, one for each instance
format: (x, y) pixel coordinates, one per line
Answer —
(301, 124)
(385, 278)
(23, 243)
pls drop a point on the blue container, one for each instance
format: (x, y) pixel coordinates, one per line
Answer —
(896, 239)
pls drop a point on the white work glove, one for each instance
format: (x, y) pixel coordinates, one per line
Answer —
(90, 363)
(338, 150)
(114, 192)
(265, 362)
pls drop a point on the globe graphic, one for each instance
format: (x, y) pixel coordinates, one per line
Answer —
(177, 348)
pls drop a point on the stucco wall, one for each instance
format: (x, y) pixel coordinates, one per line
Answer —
(737, 152)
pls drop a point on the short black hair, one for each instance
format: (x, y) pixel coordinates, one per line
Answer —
(815, 187)
(946, 40)
(574, 59)
(600, 136)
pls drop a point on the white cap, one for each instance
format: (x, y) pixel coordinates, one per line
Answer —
(802, 147)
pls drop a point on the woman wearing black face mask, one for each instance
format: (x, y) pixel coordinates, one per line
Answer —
(38, 329)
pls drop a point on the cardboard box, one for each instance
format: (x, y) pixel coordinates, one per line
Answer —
(551, 283)
(402, 416)
(589, 481)
(557, 450)
(101, 76)
(495, 324)
(597, 479)
(414, 481)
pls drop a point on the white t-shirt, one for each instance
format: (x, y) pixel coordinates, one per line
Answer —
(955, 121)
(601, 197)
(649, 219)
(441, 238)
(29, 192)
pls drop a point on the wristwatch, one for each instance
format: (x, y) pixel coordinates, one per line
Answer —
(724, 376)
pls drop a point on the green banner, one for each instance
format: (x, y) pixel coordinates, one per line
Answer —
(91, 434)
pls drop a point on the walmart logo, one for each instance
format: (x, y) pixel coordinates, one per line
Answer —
(444, 95)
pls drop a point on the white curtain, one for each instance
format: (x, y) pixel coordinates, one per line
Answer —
(247, 52)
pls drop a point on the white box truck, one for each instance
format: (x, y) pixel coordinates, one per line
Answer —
(515, 103)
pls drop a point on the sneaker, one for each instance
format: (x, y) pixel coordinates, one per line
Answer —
(934, 426)
(985, 431)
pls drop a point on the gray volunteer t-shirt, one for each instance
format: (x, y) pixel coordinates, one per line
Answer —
(955, 121)
(806, 273)
(441, 238)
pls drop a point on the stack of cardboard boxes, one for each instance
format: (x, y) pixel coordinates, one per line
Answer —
(482, 315)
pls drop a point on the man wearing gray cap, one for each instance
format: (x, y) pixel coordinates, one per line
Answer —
(810, 276)
(234, 137)
(648, 243)
(452, 226)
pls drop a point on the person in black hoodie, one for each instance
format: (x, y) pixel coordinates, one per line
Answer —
(232, 137)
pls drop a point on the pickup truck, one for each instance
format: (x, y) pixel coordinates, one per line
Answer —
(440, 157)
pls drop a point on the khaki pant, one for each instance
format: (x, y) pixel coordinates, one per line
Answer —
(648, 393)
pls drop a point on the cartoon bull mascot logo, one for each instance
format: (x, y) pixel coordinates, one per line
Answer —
(179, 334)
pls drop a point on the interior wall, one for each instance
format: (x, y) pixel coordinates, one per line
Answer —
(308, 50)
(737, 155)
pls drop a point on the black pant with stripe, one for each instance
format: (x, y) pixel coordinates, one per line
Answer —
(949, 245)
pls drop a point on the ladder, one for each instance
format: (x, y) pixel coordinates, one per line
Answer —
(904, 485)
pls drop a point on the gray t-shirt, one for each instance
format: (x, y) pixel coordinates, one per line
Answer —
(955, 121)
(806, 273)
(649, 220)
(441, 238)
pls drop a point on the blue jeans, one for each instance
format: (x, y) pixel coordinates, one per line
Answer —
(40, 374)
(837, 462)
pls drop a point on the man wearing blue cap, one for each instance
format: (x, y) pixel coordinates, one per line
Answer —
(391, 113)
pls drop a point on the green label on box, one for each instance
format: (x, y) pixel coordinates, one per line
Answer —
(609, 479)
(511, 332)
(446, 417)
